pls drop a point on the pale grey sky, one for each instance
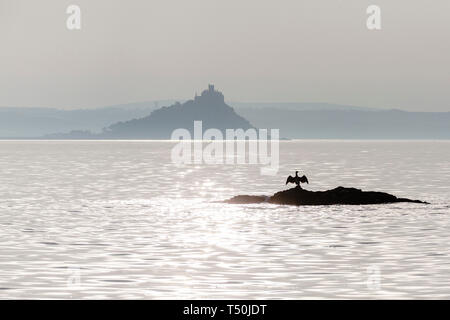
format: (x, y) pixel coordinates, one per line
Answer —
(253, 50)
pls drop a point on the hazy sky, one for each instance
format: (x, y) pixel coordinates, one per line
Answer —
(253, 50)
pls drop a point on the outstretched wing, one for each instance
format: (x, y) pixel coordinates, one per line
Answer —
(304, 179)
(290, 179)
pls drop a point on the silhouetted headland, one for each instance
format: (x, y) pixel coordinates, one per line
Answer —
(209, 107)
(338, 196)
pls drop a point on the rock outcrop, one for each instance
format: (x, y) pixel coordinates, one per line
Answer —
(339, 195)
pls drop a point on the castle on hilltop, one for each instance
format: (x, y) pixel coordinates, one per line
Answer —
(210, 95)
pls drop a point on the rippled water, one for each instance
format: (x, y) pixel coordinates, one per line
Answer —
(115, 219)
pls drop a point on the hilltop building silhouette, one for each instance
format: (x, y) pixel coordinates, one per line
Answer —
(210, 95)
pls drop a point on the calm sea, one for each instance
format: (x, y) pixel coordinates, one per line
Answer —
(116, 219)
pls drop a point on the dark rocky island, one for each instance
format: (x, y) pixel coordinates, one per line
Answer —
(340, 195)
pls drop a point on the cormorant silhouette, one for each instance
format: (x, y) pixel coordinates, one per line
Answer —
(297, 180)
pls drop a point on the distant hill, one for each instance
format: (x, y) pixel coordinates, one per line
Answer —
(297, 106)
(209, 107)
(351, 124)
(145, 120)
(32, 122)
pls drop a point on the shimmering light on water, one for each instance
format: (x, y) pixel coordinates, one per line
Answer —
(116, 219)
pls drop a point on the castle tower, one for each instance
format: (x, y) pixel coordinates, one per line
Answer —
(210, 95)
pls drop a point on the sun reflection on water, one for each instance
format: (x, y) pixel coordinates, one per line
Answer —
(125, 223)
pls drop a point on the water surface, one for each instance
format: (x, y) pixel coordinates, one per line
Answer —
(116, 219)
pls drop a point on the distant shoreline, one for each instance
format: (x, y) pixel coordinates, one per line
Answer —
(281, 140)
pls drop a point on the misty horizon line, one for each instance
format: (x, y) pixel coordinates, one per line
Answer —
(249, 104)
